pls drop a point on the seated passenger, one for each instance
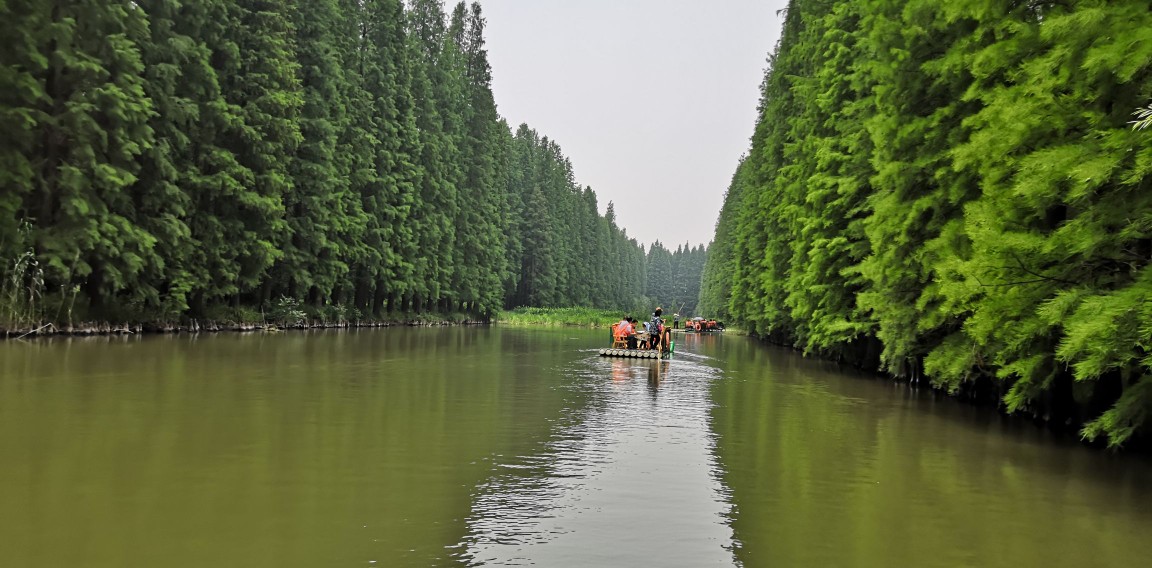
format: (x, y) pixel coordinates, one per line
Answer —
(623, 331)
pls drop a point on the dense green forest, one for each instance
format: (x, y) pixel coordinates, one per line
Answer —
(674, 277)
(165, 159)
(955, 191)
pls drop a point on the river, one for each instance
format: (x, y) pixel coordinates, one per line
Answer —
(496, 446)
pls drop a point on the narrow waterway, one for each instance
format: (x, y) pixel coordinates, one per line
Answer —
(629, 477)
(490, 446)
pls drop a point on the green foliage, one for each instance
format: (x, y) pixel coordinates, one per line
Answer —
(717, 273)
(1125, 418)
(173, 159)
(287, 311)
(76, 105)
(1143, 118)
(579, 317)
(960, 184)
(565, 253)
(340, 313)
(320, 208)
(22, 62)
(22, 292)
(673, 278)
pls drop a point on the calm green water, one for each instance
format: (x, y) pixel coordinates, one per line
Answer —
(445, 447)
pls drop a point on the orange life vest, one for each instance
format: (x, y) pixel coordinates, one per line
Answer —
(622, 330)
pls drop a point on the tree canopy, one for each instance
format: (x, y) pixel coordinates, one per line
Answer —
(165, 159)
(955, 190)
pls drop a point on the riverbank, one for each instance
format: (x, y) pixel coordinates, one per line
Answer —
(1062, 417)
(559, 317)
(520, 317)
(196, 326)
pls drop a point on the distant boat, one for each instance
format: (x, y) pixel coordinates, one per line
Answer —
(702, 325)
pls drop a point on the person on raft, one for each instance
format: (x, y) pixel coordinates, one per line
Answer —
(633, 339)
(626, 331)
(660, 332)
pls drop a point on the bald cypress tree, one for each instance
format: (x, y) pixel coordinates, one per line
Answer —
(319, 203)
(437, 88)
(176, 157)
(1052, 267)
(716, 286)
(556, 180)
(919, 195)
(390, 198)
(611, 285)
(826, 180)
(536, 264)
(22, 64)
(590, 257)
(185, 94)
(75, 98)
(357, 143)
(481, 228)
(438, 99)
(247, 135)
(659, 274)
(967, 174)
(537, 269)
(514, 212)
(687, 268)
(760, 250)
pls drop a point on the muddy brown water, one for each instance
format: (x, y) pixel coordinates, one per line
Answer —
(496, 446)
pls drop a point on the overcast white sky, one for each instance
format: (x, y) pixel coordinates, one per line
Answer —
(654, 101)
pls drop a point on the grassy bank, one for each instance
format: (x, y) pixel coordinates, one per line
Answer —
(576, 317)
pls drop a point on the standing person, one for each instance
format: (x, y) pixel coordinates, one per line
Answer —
(676, 321)
(656, 328)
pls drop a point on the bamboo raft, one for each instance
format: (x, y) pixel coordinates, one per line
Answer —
(632, 353)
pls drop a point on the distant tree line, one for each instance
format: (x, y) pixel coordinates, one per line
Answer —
(567, 254)
(954, 190)
(163, 158)
(674, 277)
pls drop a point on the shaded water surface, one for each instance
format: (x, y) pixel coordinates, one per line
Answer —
(462, 446)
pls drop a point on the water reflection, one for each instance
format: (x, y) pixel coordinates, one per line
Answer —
(294, 449)
(828, 469)
(628, 477)
(486, 446)
(621, 370)
(655, 372)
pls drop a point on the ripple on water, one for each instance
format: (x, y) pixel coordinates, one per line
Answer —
(626, 478)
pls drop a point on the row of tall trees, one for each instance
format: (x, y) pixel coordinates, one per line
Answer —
(169, 156)
(953, 190)
(566, 253)
(673, 277)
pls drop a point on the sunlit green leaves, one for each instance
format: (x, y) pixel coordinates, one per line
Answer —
(1005, 232)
